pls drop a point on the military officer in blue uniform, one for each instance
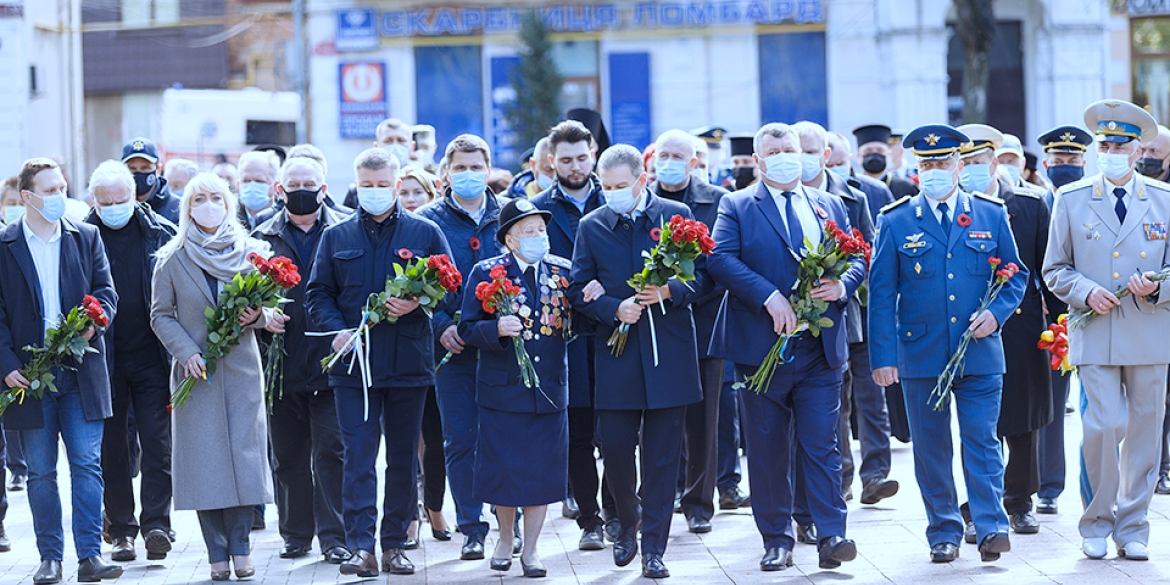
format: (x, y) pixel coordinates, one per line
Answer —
(930, 270)
(522, 428)
(758, 239)
(649, 385)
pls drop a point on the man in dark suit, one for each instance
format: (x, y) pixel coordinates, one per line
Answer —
(353, 259)
(50, 264)
(676, 159)
(649, 385)
(758, 246)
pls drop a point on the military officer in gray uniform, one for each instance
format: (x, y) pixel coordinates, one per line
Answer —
(1109, 232)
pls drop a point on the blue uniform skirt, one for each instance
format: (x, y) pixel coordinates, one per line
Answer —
(522, 459)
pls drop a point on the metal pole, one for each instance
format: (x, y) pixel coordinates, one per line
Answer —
(76, 97)
(300, 69)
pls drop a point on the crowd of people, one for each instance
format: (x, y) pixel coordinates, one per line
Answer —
(475, 393)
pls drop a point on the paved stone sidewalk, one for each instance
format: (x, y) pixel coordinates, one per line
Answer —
(890, 541)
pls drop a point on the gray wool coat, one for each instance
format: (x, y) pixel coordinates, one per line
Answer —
(219, 457)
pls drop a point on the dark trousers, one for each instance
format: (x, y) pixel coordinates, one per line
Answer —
(399, 411)
(1021, 473)
(660, 449)
(307, 460)
(455, 392)
(727, 464)
(13, 453)
(1052, 464)
(899, 421)
(868, 400)
(225, 532)
(145, 387)
(3, 472)
(801, 407)
(701, 430)
(583, 466)
(434, 465)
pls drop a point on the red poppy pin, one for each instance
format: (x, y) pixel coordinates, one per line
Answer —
(656, 234)
(474, 242)
(405, 254)
(964, 220)
(821, 213)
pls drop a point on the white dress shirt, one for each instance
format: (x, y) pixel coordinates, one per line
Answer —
(809, 224)
(46, 258)
(950, 201)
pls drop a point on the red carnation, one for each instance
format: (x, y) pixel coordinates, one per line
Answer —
(994, 261)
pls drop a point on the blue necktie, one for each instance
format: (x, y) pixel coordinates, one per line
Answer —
(946, 221)
(795, 233)
(1120, 207)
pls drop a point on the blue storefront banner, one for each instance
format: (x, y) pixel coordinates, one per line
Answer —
(505, 149)
(356, 30)
(629, 98)
(363, 98)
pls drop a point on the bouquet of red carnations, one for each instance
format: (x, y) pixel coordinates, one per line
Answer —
(498, 296)
(1000, 277)
(831, 258)
(1055, 340)
(63, 341)
(285, 275)
(680, 243)
(261, 288)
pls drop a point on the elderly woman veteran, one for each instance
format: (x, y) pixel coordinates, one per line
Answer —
(220, 453)
(521, 429)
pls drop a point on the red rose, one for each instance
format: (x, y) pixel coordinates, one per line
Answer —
(830, 226)
(677, 235)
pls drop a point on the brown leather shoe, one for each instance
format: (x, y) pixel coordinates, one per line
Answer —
(363, 563)
(123, 549)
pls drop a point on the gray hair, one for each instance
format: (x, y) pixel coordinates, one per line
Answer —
(309, 151)
(775, 130)
(301, 162)
(180, 164)
(837, 141)
(111, 173)
(809, 129)
(621, 154)
(263, 156)
(374, 159)
(676, 136)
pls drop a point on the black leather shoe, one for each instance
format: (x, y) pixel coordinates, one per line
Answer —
(944, 552)
(847, 493)
(625, 547)
(362, 563)
(410, 544)
(501, 564)
(878, 489)
(776, 559)
(123, 549)
(472, 548)
(678, 494)
(732, 498)
(592, 539)
(835, 550)
(1024, 523)
(258, 522)
(48, 572)
(806, 533)
(969, 532)
(653, 567)
(442, 535)
(1046, 506)
(5, 544)
(613, 529)
(17, 483)
(569, 508)
(1163, 485)
(533, 571)
(294, 551)
(698, 525)
(517, 546)
(94, 569)
(992, 545)
(158, 544)
(337, 555)
(394, 561)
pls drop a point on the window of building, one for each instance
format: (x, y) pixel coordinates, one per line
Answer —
(1150, 38)
(145, 12)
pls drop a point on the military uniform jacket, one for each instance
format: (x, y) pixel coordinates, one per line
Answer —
(1088, 247)
(923, 288)
(609, 249)
(547, 326)
(1026, 404)
(857, 206)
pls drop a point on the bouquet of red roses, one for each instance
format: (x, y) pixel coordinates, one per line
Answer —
(425, 279)
(1055, 340)
(263, 287)
(285, 275)
(61, 342)
(680, 243)
(498, 295)
(831, 258)
(1000, 277)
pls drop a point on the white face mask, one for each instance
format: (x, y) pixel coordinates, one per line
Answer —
(810, 166)
(1114, 165)
(783, 167)
(209, 215)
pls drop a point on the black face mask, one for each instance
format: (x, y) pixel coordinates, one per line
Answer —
(743, 176)
(302, 201)
(144, 183)
(1150, 167)
(874, 162)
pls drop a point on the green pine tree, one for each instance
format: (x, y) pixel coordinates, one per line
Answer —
(537, 83)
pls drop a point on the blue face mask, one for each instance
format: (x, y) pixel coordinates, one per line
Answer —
(783, 167)
(53, 206)
(671, 172)
(975, 177)
(376, 200)
(621, 201)
(1061, 175)
(533, 249)
(700, 175)
(254, 195)
(116, 216)
(543, 181)
(13, 213)
(936, 183)
(1013, 173)
(841, 171)
(810, 166)
(468, 184)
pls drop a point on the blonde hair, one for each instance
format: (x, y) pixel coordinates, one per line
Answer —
(206, 182)
(424, 178)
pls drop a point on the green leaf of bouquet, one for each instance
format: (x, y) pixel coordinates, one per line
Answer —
(825, 322)
(213, 337)
(34, 385)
